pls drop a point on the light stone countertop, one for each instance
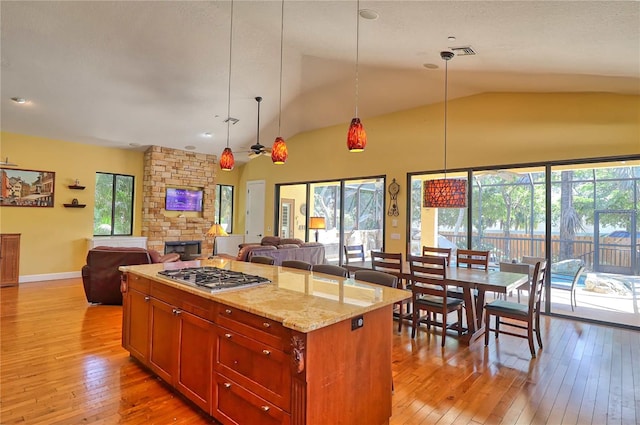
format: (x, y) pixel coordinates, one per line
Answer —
(300, 300)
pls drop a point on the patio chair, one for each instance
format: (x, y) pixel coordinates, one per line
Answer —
(571, 288)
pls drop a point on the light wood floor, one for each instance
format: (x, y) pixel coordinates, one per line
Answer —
(62, 363)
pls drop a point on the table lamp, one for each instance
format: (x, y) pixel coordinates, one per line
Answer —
(215, 231)
(316, 223)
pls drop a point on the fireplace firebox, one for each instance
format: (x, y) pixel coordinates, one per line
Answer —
(188, 250)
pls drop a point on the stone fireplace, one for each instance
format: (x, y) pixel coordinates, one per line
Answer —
(172, 167)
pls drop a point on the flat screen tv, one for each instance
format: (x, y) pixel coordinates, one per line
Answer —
(183, 199)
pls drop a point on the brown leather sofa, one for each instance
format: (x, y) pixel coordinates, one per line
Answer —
(101, 277)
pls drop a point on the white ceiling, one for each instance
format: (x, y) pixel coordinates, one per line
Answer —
(116, 73)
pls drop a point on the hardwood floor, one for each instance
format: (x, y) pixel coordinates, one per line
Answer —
(62, 363)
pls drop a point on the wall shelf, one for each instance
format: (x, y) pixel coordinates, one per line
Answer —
(74, 205)
(76, 187)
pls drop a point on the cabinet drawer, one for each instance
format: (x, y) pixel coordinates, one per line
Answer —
(138, 283)
(259, 328)
(234, 404)
(254, 365)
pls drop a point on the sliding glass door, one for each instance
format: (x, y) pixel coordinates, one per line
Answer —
(595, 225)
(314, 211)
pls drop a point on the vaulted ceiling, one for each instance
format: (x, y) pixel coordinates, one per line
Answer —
(130, 74)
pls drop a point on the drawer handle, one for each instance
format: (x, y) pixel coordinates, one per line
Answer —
(227, 335)
(265, 408)
(176, 312)
(147, 298)
(266, 324)
(227, 385)
(266, 352)
(228, 311)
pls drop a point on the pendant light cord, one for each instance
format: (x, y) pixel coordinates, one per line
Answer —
(229, 89)
(281, 55)
(446, 85)
(357, 49)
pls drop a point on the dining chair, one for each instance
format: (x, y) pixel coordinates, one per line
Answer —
(571, 288)
(528, 315)
(392, 263)
(353, 252)
(330, 269)
(297, 264)
(472, 258)
(518, 268)
(380, 278)
(429, 293)
(262, 260)
(442, 252)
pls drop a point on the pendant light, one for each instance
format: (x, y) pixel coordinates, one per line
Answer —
(226, 159)
(279, 152)
(357, 137)
(445, 193)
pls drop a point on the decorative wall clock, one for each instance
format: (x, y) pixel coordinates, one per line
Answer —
(394, 188)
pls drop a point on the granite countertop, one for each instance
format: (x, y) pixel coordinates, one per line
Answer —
(300, 300)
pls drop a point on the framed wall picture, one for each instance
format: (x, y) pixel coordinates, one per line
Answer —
(26, 188)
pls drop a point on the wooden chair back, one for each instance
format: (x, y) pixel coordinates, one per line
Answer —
(262, 260)
(387, 262)
(355, 252)
(297, 264)
(428, 276)
(330, 269)
(537, 288)
(442, 252)
(472, 259)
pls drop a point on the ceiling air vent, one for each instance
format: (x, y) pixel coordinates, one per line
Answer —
(463, 51)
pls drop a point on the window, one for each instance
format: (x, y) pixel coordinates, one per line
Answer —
(113, 211)
(224, 207)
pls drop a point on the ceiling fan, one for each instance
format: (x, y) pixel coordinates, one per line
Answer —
(258, 149)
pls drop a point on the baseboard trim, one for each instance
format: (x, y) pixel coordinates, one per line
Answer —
(48, 276)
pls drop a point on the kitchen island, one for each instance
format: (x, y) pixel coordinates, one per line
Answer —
(304, 348)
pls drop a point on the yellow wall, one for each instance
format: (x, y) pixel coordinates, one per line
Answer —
(483, 130)
(54, 240)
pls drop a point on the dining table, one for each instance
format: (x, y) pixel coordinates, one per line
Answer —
(475, 283)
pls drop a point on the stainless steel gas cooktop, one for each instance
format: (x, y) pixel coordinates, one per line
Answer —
(214, 279)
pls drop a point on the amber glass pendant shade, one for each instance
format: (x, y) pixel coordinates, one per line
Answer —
(445, 193)
(279, 153)
(226, 160)
(357, 137)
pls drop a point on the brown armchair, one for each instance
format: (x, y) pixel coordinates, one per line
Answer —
(101, 277)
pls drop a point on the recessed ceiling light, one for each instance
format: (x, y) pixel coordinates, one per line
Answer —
(134, 145)
(451, 38)
(20, 100)
(430, 66)
(189, 147)
(369, 14)
(207, 135)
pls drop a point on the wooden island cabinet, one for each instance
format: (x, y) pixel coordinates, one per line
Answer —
(302, 349)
